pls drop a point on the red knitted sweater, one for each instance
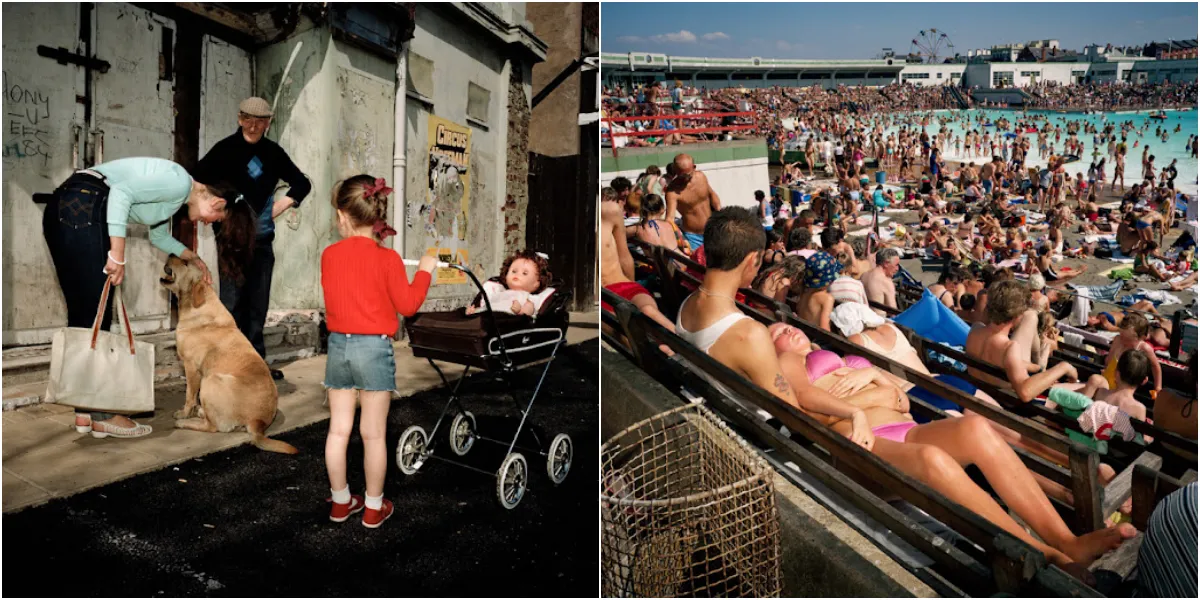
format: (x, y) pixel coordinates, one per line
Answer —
(365, 285)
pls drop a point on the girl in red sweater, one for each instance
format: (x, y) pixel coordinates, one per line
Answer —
(365, 285)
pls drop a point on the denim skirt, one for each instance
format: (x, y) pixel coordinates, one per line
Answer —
(360, 362)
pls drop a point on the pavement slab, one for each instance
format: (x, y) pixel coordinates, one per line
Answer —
(41, 447)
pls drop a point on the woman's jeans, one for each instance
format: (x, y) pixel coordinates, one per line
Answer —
(76, 230)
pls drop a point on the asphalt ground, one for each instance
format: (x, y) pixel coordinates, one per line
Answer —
(250, 523)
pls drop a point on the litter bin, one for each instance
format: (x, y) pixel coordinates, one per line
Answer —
(881, 177)
(687, 509)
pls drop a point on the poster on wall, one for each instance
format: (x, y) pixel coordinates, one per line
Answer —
(445, 212)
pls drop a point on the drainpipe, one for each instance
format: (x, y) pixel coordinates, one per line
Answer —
(399, 161)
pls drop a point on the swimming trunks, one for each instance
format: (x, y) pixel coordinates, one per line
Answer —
(694, 239)
(895, 432)
(625, 289)
(1142, 224)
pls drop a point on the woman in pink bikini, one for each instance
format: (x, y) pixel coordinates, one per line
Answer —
(937, 452)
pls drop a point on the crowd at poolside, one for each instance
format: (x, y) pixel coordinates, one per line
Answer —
(808, 260)
(1112, 97)
(780, 113)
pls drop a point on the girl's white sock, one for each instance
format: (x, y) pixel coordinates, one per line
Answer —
(341, 496)
(375, 502)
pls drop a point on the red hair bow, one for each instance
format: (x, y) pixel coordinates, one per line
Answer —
(383, 230)
(379, 187)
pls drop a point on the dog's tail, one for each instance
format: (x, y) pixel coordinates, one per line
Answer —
(259, 438)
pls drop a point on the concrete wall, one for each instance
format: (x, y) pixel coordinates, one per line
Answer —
(558, 25)
(734, 169)
(1160, 71)
(336, 118)
(459, 58)
(946, 73)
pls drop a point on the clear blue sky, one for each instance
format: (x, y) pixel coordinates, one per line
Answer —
(861, 30)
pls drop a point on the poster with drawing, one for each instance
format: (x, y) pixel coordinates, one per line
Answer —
(445, 212)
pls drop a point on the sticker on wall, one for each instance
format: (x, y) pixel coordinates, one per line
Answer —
(444, 215)
(450, 255)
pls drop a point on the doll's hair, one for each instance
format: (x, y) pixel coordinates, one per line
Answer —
(543, 267)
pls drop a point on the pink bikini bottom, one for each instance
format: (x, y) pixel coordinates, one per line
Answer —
(895, 432)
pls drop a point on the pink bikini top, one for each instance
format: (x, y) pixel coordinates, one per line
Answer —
(823, 362)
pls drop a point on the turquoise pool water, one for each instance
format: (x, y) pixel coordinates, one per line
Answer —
(1164, 153)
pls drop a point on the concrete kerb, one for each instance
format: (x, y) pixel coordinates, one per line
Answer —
(35, 471)
(822, 555)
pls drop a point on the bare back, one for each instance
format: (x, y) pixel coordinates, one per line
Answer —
(612, 227)
(694, 203)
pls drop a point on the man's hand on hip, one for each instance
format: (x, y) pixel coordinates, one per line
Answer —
(281, 205)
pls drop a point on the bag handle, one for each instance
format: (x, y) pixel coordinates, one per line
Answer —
(100, 316)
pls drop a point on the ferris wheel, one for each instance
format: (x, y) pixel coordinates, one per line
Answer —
(931, 46)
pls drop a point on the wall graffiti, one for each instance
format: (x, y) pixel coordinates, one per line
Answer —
(26, 122)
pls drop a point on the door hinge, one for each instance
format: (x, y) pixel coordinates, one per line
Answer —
(65, 57)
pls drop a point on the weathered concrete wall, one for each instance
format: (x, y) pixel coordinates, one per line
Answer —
(306, 128)
(554, 133)
(517, 177)
(39, 108)
(459, 58)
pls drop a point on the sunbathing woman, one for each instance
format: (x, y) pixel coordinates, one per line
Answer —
(937, 452)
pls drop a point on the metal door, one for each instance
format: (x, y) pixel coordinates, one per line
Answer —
(42, 134)
(133, 115)
(226, 83)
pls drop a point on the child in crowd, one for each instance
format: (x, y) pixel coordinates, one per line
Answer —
(1134, 332)
(525, 286)
(365, 285)
(815, 303)
(1133, 369)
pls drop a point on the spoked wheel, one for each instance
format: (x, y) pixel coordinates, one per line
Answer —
(558, 460)
(462, 433)
(511, 480)
(410, 452)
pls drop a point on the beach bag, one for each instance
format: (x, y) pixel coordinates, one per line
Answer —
(102, 371)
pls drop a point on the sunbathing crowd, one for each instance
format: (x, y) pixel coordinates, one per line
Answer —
(807, 260)
(1111, 96)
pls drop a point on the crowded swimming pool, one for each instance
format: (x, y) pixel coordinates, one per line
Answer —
(1174, 148)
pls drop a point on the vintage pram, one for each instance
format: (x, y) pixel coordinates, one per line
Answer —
(499, 343)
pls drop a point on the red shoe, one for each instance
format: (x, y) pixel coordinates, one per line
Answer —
(374, 518)
(338, 513)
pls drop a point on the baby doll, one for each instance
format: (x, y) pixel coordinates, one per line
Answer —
(526, 276)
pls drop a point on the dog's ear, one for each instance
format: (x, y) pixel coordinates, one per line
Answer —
(197, 294)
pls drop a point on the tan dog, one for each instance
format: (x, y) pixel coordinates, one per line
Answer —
(230, 380)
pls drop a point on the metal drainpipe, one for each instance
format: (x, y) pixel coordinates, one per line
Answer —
(399, 161)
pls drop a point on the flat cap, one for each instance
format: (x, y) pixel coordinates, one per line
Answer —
(255, 107)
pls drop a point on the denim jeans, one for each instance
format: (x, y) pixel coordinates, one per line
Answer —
(76, 231)
(248, 302)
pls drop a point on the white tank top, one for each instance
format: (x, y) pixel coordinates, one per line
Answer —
(705, 338)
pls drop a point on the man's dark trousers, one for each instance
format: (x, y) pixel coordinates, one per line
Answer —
(248, 302)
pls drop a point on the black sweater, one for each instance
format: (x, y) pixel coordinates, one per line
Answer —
(254, 169)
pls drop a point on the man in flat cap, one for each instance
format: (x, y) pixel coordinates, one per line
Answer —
(254, 165)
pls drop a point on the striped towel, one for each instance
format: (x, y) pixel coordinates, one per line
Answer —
(1102, 420)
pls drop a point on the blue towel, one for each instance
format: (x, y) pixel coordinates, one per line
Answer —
(930, 398)
(932, 320)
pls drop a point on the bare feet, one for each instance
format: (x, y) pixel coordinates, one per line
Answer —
(1085, 549)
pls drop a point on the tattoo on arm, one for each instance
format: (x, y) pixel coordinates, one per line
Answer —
(781, 383)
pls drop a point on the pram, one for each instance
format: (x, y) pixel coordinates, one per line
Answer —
(500, 343)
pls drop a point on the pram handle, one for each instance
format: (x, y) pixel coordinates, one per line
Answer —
(441, 265)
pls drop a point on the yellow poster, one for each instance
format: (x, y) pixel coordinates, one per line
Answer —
(445, 212)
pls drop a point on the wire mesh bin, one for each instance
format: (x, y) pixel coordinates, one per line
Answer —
(688, 509)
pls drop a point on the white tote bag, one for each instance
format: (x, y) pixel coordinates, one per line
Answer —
(102, 371)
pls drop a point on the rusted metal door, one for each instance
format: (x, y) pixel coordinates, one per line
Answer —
(133, 116)
(43, 130)
(226, 83)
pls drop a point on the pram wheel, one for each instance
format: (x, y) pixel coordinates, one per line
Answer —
(462, 433)
(558, 460)
(410, 452)
(511, 480)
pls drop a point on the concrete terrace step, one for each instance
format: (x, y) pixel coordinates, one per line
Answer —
(25, 394)
(29, 364)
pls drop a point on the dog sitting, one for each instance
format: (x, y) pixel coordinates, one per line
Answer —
(226, 378)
